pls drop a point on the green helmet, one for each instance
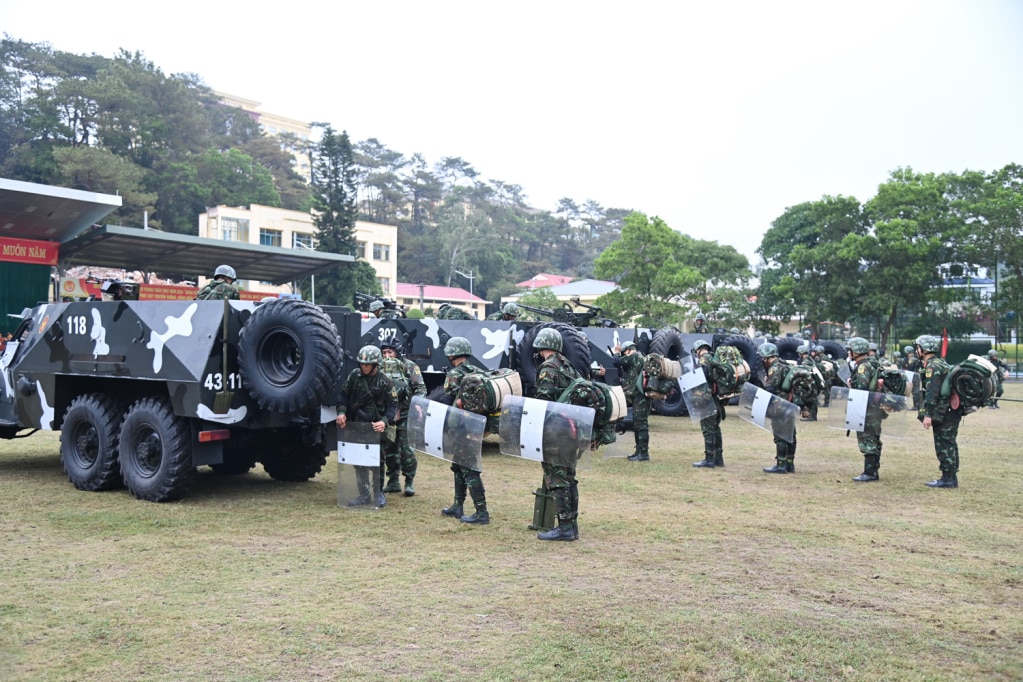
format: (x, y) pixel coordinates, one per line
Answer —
(628, 345)
(375, 306)
(928, 344)
(992, 353)
(873, 346)
(907, 350)
(510, 309)
(457, 346)
(548, 339)
(370, 355)
(734, 330)
(818, 349)
(803, 349)
(767, 350)
(700, 344)
(896, 355)
(859, 345)
(701, 316)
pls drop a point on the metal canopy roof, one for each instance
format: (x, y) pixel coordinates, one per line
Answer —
(32, 211)
(132, 248)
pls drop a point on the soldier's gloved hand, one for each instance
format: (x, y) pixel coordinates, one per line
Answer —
(379, 427)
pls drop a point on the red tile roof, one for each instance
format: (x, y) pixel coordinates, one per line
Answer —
(544, 280)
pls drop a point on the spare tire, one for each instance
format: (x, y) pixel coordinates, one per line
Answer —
(668, 343)
(788, 346)
(836, 349)
(748, 348)
(289, 353)
(574, 346)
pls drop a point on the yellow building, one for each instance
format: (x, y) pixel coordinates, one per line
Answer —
(268, 226)
(274, 124)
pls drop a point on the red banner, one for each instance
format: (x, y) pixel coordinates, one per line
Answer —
(28, 251)
(166, 292)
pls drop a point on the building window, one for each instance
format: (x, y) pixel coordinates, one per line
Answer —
(299, 240)
(234, 229)
(360, 250)
(385, 284)
(381, 252)
(269, 237)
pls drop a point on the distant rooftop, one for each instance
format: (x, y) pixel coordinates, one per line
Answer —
(544, 280)
(582, 287)
(436, 293)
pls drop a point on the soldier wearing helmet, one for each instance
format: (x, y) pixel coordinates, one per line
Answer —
(865, 378)
(221, 287)
(809, 412)
(554, 375)
(939, 412)
(710, 426)
(700, 324)
(378, 308)
(629, 362)
(910, 360)
(509, 312)
(368, 395)
(458, 351)
(408, 379)
(777, 371)
(1000, 372)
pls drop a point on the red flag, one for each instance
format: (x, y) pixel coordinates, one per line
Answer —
(944, 341)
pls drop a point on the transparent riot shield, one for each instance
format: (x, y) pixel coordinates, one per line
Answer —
(555, 433)
(769, 412)
(697, 394)
(358, 467)
(446, 432)
(914, 387)
(868, 412)
(844, 371)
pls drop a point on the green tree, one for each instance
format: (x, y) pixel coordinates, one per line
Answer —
(97, 170)
(538, 298)
(336, 212)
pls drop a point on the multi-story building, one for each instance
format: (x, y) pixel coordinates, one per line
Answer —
(268, 226)
(276, 125)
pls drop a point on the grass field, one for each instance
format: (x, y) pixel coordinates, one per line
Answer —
(679, 574)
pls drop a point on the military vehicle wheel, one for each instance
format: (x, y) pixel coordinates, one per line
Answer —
(295, 461)
(575, 347)
(668, 343)
(156, 458)
(88, 442)
(288, 356)
(835, 349)
(787, 347)
(748, 349)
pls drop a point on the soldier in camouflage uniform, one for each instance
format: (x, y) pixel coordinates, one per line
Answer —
(777, 370)
(408, 378)
(450, 312)
(1000, 370)
(368, 395)
(710, 426)
(937, 412)
(868, 368)
(629, 361)
(555, 374)
(222, 287)
(809, 411)
(509, 313)
(911, 361)
(700, 324)
(378, 309)
(458, 350)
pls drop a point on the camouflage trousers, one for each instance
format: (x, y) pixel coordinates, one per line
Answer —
(784, 451)
(713, 445)
(641, 422)
(469, 480)
(811, 409)
(564, 488)
(399, 455)
(945, 446)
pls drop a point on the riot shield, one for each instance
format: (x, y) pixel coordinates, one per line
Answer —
(844, 372)
(868, 412)
(914, 387)
(446, 432)
(769, 412)
(697, 394)
(556, 433)
(358, 467)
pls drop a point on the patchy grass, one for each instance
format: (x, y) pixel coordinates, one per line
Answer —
(680, 573)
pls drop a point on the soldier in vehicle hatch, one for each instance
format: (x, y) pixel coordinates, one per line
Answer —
(222, 287)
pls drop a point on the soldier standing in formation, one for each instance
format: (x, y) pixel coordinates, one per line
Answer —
(809, 411)
(629, 361)
(700, 325)
(865, 379)
(710, 426)
(368, 395)
(222, 286)
(508, 313)
(938, 414)
(555, 374)
(785, 452)
(408, 379)
(458, 350)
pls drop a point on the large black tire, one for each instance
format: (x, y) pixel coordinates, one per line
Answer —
(787, 347)
(668, 343)
(575, 347)
(88, 442)
(836, 349)
(748, 348)
(155, 451)
(289, 353)
(295, 461)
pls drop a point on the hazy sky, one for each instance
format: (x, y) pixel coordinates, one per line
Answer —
(713, 116)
